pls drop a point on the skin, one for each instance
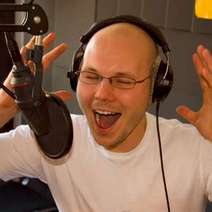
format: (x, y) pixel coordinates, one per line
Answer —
(126, 50)
(201, 119)
(8, 107)
(101, 95)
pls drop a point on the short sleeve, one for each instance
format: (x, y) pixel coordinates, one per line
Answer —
(19, 154)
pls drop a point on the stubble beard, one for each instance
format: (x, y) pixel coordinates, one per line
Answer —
(121, 138)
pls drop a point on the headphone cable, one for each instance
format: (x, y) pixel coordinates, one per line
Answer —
(161, 155)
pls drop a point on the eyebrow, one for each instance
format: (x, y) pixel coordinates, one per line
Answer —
(125, 74)
(117, 74)
(89, 69)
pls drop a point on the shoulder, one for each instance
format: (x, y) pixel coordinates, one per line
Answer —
(81, 130)
(79, 123)
(21, 132)
(181, 141)
(79, 119)
(173, 129)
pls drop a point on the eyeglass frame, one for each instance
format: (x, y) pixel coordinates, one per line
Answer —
(100, 78)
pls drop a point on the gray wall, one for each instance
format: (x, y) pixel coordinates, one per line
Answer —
(70, 18)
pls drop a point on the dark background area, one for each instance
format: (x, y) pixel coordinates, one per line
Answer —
(5, 62)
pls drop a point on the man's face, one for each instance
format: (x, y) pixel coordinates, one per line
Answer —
(116, 116)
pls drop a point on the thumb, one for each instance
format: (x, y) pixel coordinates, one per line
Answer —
(64, 95)
(187, 114)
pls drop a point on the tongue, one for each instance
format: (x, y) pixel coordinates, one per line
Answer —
(106, 121)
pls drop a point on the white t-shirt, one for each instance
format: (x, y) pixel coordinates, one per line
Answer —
(93, 179)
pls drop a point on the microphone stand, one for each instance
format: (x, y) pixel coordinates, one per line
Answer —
(46, 114)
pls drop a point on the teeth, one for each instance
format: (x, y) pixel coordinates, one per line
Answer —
(105, 113)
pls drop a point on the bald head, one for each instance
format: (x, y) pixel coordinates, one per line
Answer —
(131, 32)
(120, 43)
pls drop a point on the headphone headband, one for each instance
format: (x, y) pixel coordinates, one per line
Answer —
(153, 31)
(164, 76)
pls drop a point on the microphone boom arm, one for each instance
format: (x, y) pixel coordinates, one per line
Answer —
(35, 21)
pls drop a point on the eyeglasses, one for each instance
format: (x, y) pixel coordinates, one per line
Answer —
(93, 78)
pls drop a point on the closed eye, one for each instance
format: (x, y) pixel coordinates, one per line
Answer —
(123, 80)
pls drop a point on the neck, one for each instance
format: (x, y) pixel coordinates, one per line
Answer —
(133, 139)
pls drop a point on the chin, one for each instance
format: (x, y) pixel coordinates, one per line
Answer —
(109, 142)
(101, 140)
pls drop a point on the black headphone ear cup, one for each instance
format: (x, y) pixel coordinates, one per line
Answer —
(76, 63)
(163, 82)
(73, 80)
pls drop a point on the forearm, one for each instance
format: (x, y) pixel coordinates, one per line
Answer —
(6, 113)
(8, 107)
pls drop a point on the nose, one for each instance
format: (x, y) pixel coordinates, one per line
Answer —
(104, 90)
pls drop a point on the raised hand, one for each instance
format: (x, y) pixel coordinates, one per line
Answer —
(49, 58)
(8, 107)
(201, 119)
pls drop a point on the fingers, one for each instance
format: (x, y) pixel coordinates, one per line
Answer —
(207, 69)
(187, 114)
(51, 56)
(64, 95)
(202, 60)
(199, 68)
(197, 62)
(205, 56)
(48, 40)
(24, 50)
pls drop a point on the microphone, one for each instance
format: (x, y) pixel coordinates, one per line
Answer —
(46, 114)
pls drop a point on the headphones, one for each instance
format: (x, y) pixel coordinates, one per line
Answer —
(164, 75)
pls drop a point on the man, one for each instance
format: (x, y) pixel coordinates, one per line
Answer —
(114, 161)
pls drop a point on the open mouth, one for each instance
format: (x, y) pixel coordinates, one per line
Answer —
(105, 119)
